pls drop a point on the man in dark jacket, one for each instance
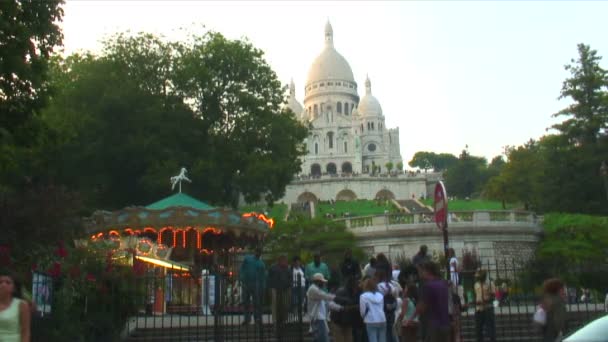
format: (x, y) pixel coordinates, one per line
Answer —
(253, 279)
(279, 282)
(349, 268)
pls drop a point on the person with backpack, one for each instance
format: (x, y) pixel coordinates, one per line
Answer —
(390, 291)
(371, 307)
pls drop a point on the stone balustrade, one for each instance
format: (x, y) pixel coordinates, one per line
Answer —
(457, 219)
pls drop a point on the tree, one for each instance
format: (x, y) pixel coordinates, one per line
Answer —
(400, 166)
(303, 237)
(587, 87)
(29, 31)
(574, 247)
(214, 106)
(389, 166)
(422, 160)
(428, 160)
(239, 101)
(467, 177)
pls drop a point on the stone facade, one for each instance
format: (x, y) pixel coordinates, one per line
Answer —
(345, 188)
(509, 237)
(348, 135)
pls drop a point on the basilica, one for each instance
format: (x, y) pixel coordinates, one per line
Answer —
(351, 154)
(348, 134)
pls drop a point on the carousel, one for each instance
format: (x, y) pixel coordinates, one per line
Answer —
(180, 241)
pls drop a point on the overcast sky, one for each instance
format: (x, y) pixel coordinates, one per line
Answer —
(447, 73)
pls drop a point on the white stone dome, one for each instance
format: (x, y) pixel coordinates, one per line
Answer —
(369, 104)
(330, 64)
(292, 103)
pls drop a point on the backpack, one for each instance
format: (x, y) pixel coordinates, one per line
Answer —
(390, 302)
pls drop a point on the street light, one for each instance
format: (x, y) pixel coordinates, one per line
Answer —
(604, 174)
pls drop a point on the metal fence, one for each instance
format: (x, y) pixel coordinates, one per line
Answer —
(517, 291)
(213, 308)
(175, 306)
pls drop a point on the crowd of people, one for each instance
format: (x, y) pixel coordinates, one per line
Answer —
(379, 302)
(374, 302)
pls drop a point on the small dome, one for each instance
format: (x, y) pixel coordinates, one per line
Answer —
(330, 64)
(369, 105)
(292, 103)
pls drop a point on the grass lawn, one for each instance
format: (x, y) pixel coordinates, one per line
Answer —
(355, 208)
(277, 212)
(475, 204)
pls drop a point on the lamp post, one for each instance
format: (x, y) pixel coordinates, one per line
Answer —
(604, 175)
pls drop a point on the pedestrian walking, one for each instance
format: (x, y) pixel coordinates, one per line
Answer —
(555, 308)
(484, 308)
(371, 307)
(434, 303)
(409, 320)
(279, 282)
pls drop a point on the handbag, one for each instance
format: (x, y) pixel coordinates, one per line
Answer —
(540, 316)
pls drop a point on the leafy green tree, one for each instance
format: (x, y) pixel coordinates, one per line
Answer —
(574, 248)
(467, 177)
(389, 166)
(587, 117)
(29, 31)
(400, 166)
(422, 160)
(431, 160)
(255, 144)
(121, 132)
(303, 237)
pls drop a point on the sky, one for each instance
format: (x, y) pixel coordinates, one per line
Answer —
(449, 74)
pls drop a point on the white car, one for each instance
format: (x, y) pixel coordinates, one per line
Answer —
(596, 331)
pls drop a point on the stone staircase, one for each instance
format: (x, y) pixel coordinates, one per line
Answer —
(292, 332)
(414, 206)
(509, 327)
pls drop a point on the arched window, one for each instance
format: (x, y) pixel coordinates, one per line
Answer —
(330, 139)
(316, 148)
(345, 108)
(347, 167)
(372, 126)
(316, 109)
(345, 147)
(331, 169)
(315, 169)
(339, 107)
(361, 128)
(369, 127)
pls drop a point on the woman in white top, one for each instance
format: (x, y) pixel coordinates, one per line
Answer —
(14, 313)
(371, 306)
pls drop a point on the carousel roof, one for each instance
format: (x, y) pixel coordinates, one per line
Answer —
(177, 211)
(179, 200)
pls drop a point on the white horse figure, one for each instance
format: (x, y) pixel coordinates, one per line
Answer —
(179, 178)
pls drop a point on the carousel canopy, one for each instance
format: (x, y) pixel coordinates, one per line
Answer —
(179, 200)
(178, 211)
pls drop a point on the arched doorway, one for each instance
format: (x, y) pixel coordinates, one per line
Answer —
(347, 167)
(331, 169)
(315, 169)
(385, 195)
(346, 195)
(307, 197)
